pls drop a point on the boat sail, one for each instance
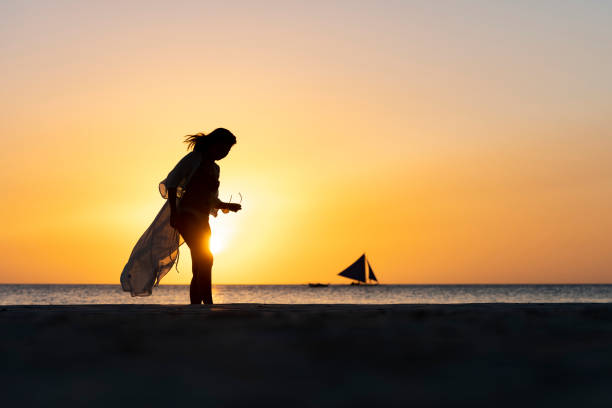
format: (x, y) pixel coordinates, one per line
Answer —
(357, 272)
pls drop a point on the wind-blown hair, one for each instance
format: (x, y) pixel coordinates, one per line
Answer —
(200, 141)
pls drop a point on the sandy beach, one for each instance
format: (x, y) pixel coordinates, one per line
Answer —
(477, 355)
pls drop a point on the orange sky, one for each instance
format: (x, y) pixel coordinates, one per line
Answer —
(463, 143)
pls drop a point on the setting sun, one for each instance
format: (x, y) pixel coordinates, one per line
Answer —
(222, 231)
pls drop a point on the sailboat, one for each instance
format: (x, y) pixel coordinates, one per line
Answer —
(357, 272)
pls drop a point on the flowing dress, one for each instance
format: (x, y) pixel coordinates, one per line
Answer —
(157, 249)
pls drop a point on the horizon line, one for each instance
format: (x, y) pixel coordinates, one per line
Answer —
(306, 283)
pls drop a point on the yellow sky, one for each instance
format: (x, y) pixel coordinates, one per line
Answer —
(463, 143)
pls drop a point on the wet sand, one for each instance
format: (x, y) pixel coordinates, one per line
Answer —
(478, 355)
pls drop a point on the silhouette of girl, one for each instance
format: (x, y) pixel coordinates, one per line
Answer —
(191, 190)
(195, 183)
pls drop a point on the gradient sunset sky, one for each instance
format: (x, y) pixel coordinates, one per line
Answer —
(453, 141)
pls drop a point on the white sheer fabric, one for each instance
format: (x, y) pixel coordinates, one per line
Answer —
(153, 256)
(158, 248)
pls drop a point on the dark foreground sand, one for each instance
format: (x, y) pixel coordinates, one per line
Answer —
(486, 355)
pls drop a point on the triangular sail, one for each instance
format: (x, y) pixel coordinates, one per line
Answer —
(356, 270)
(371, 275)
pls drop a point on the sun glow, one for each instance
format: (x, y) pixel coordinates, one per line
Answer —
(222, 232)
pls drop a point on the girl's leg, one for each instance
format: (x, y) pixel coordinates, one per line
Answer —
(205, 261)
(190, 235)
(204, 277)
(194, 290)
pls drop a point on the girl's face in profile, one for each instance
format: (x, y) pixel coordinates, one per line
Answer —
(219, 151)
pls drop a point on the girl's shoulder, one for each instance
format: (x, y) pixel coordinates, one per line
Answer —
(193, 156)
(191, 159)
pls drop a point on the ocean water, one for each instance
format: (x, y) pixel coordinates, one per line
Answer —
(302, 294)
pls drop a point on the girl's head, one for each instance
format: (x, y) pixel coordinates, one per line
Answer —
(215, 145)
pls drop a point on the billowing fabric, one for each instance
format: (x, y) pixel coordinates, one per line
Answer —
(158, 248)
(153, 256)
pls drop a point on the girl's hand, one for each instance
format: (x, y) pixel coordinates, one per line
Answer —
(234, 207)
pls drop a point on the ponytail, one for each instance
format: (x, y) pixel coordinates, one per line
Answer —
(201, 141)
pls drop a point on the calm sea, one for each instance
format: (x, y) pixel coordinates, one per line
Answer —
(179, 294)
